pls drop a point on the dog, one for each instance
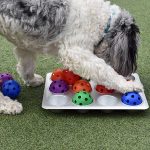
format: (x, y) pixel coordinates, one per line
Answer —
(95, 39)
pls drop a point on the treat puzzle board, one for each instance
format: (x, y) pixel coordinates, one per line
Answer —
(100, 102)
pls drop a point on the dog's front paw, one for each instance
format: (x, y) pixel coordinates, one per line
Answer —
(138, 87)
(8, 106)
(132, 86)
(36, 81)
(16, 108)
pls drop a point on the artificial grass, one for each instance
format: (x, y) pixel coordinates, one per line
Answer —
(38, 129)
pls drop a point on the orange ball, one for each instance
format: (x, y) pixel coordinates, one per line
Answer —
(57, 75)
(82, 85)
(103, 90)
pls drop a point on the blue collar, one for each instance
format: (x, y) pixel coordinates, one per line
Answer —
(108, 25)
(113, 13)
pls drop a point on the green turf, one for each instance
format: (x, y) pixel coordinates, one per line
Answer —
(37, 129)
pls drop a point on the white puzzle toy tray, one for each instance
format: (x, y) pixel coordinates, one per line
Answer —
(100, 102)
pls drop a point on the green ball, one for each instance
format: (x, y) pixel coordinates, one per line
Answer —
(82, 98)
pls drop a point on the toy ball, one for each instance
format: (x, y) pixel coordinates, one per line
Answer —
(103, 90)
(59, 86)
(70, 77)
(11, 88)
(132, 99)
(82, 98)
(5, 77)
(57, 75)
(82, 85)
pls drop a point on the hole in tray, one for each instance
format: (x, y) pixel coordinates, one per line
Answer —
(107, 100)
(58, 100)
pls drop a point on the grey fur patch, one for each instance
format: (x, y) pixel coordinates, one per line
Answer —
(119, 46)
(38, 18)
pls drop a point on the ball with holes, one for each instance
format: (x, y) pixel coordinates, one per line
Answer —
(59, 86)
(132, 98)
(70, 77)
(11, 88)
(82, 85)
(82, 98)
(5, 77)
(103, 90)
(57, 75)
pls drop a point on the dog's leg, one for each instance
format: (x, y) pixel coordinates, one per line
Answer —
(85, 63)
(26, 67)
(8, 106)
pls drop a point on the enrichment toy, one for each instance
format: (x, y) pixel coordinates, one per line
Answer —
(57, 75)
(103, 90)
(59, 86)
(102, 102)
(70, 77)
(131, 98)
(5, 77)
(82, 85)
(82, 98)
(11, 88)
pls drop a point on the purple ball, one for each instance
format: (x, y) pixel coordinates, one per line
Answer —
(5, 77)
(59, 86)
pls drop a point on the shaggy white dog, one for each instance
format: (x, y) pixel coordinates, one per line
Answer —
(82, 31)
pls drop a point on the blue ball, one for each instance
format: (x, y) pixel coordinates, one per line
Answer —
(132, 98)
(11, 89)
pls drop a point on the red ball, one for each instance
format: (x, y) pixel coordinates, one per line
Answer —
(70, 77)
(103, 90)
(57, 75)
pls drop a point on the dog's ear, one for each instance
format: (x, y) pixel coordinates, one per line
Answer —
(123, 39)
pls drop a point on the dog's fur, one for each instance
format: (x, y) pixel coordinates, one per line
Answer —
(76, 29)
